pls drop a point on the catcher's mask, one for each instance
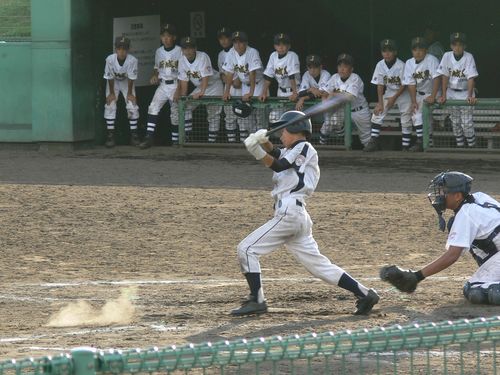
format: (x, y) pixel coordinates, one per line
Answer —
(441, 185)
(242, 109)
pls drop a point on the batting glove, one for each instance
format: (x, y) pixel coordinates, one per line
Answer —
(253, 147)
(261, 136)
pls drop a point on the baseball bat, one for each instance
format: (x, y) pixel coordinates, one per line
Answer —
(317, 109)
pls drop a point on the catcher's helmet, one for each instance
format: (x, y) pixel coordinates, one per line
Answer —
(301, 126)
(242, 109)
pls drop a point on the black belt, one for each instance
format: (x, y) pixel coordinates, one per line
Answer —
(458, 89)
(248, 84)
(285, 89)
(169, 82)
(357, 109)
(297, 202)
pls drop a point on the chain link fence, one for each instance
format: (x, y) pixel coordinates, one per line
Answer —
(15, 20)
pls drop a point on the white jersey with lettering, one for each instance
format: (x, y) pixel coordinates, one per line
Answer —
(283, 68)
(198, 69)
(221, 59)
(308, 81)
(114, 71)
(243, 64)
(421, 74)
(352, 85)
(300, 180)
(167, 62)
(458, 72)
(391, 78)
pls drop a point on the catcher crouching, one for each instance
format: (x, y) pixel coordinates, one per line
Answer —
(474, 227)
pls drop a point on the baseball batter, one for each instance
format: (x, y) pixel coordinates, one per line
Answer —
(474, 227)
(120, 72)
(346, 82)
(421, 78)
(458, 70)
(195, 66)
(296, 175)
(388, 77)
(165, 76)
(244, 62)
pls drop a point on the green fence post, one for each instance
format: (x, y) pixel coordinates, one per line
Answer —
(84, 362)
(347, 126)
(182, 113)
(426, 113)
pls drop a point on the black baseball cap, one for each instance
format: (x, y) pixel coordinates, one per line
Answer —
(169, 28)
(281, 39)
(344, 58)
(388, 44)
(418, 42)
(240, 35)
(188, 42)
(313, 60)
(457, 37)
(122, 42)
(224, 32)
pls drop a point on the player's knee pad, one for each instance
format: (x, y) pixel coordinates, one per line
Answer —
(494, 294)
(478, 296)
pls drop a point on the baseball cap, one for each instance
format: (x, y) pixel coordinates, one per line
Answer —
(457, 37)
(188, 42)
(240, 35)
(122, 42)
(313, 60)
(344, 58)
(389, 44)
(281, 38)
(418, 42)
(168, 28)
(224, 32)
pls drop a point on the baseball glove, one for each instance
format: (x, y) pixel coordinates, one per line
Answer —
(404, 280)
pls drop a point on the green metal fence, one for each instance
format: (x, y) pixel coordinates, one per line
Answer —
(198, 118)
(15, 20)
(457, 124)
(459, 347)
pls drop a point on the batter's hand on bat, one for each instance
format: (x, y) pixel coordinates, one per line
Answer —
(110, 98)
(261, 136)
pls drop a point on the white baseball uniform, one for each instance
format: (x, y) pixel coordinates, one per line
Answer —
(120, 73)
(421, 75)
(458, 73)
(284, 69)
(166, 64)
(473, 225)
(360, 113)
(308, 81)
(241, 66)
(231, 120)
(195, 71)
(291, 225)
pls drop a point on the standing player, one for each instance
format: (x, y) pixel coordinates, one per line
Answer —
(421, 78)
(312, 81)
(474, 227)
(388, 77)
(296, 175)
(165, 75)
(244, 62)
(120, 72)
(458, 70)
(224, 37)
(347, 83)
(435, 48)
(196, 67)
(284, 66)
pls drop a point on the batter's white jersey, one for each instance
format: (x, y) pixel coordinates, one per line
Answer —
(243, 64)
(283, 68)
(421, 74)
(352, 85)
(300, 180)
(308, 81)
(391, 78)
(114, 71)
(200, 68)
(167, 62)
(459, 72)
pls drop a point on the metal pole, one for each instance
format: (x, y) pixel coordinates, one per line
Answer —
(84, 361)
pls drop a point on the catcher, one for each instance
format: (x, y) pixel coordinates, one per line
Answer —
(475, 226)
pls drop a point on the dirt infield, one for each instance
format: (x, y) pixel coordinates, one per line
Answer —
(176, 245)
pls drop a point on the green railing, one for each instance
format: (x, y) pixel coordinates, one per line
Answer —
(485, 115)
(459, 347)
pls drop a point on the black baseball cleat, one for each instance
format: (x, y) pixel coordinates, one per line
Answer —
(365, 304)
(372, 146)
(148, 142)
(110, 140)
(134, 139)
(250, 307)
(418, 146)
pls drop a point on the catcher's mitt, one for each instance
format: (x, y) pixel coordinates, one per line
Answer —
(404, 280)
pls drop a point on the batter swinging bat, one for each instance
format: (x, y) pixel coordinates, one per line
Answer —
(317, 109)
